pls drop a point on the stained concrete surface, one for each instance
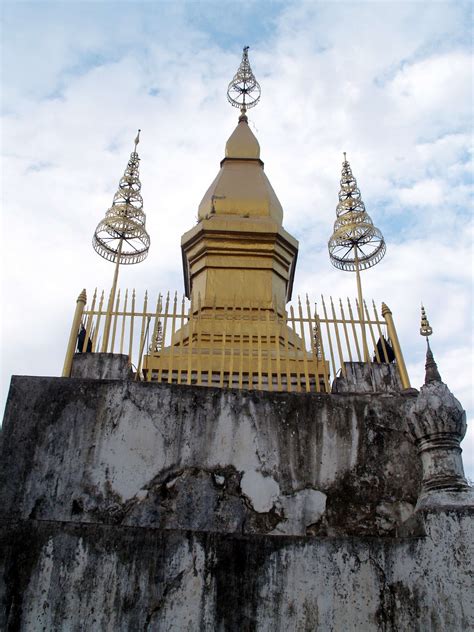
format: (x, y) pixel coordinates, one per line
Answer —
(131, 453)
(129, 506)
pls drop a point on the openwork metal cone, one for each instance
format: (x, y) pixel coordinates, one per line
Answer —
(244, 90)
(355, 240)
(121, 236)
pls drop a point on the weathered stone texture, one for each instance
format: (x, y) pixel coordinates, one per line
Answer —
(362, 377)
(123, 579)
(121, 452)
(130, 506)
(437, 424)
(101, 366)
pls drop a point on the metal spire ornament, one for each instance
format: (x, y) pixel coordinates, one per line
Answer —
(244, 90)
(425, 329)
(356, 244)
(431, 368)
(121, 236)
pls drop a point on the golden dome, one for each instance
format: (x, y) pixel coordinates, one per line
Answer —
(241, 187)
(242, 142)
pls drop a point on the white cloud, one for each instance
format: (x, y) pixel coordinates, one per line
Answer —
(388, 83)
(423, 193)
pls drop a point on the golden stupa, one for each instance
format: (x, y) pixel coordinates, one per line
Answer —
(238, 264)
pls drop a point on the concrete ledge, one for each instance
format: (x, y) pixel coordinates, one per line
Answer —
(101, 366)
(365, 377)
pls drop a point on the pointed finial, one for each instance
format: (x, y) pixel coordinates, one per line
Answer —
(82, 298)
(425, 329)
(244, 90)
(431, 368)
(345, 159)
(137, 140)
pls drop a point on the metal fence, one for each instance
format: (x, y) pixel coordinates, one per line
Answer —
(238, 346)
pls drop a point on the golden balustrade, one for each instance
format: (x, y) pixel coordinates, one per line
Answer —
(252, 347)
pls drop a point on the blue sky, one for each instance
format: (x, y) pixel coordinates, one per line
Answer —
(390, 83)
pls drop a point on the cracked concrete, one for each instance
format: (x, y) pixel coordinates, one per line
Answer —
(131, 506)
(100, 451)
(122, 578)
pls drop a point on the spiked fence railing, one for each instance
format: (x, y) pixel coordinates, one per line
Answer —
(236, 346)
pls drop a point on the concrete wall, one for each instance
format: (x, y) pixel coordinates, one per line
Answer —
(73, 577)
(130, 506)
(122, 452)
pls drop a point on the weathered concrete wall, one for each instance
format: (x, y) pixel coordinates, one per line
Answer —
(129, 506)
(101, 366)
(121, 452)
(77, 577)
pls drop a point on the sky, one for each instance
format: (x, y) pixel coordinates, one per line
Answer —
(390, 83)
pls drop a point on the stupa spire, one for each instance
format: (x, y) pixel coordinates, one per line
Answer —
(356, 244)
(121, 237)
(241, 187)
(244, 90)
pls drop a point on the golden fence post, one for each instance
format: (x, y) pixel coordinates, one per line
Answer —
(191, 322)
(223, 350)
(114, 325)
(76, 321)
(392, 334)
(295, 349)
(173, 329)
(371, 329)
(251, 345)
(354, 332)
(163, 335)
(323, 355)
(277, 348)
(328, 331)
(132, 320)
(158, 342)
(122, 335)
(90, 316)
(380, 333)
(199, 342)
(241, 347)
(142, 332)
(259, 346)
(338, 339)
(305, 359)
(344, 324)
(269, 352)
(312, 344)
(181, 347)
(232, 344)
(142, 346)
(285, 321)
(95, 335)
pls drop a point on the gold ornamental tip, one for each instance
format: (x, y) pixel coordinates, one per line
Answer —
(82, 298)
(137, 139)
(425, 329)
(385, 309)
